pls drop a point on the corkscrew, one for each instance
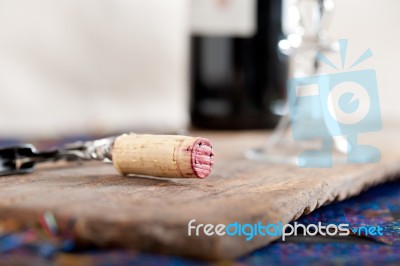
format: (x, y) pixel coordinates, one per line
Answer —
(143, 154)
(23, 158)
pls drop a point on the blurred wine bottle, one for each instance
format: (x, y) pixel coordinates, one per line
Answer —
(237, 73)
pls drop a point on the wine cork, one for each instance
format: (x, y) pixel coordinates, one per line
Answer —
(163, 155)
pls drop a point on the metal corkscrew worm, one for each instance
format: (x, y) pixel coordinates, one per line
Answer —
(155, 155)
(23, 158)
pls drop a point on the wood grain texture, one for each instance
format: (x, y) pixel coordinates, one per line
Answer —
(151, 214)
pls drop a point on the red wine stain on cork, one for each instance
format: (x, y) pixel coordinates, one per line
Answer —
(202, 158)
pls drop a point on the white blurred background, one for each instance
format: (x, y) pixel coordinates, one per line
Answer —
(94, 66)
(373, 24)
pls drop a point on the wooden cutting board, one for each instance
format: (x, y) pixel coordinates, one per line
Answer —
(152, 214)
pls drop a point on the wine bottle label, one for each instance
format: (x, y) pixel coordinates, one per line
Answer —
(223, 17)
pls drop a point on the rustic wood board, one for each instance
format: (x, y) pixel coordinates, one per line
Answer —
(151, 214)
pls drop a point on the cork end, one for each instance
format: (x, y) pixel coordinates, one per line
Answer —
(202, 158)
